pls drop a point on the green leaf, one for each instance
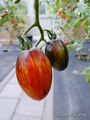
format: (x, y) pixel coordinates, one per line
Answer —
(77, 23)
(86, 73)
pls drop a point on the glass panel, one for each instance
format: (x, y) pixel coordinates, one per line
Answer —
(42, 9)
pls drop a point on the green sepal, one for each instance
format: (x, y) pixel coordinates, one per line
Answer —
(51, 34)
(25, 43)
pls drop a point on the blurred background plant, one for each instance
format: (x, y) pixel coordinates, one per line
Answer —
(73, 20)
(86, 72)
(13, 17)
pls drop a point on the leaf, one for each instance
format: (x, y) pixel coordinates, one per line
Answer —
(77, 23)
(54, 6)
(88, 78)
(86, 73)
(51, 34)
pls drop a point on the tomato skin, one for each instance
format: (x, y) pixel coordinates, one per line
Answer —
(34, 73)
(57, 53)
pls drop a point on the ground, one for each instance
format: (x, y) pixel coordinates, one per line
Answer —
(71, 91)
(7, 59)
(71, 95)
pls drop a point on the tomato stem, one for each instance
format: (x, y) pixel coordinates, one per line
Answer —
(42, 46)
(37, 23)
(33, 25)
(36, 10)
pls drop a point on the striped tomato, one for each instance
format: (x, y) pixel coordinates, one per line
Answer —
(34, 73)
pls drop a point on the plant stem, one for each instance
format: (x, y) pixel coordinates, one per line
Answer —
(36, 10)
(33, 25)
(37, 23)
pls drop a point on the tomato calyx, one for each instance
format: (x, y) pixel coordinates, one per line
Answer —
(51, 34)
(24, 43)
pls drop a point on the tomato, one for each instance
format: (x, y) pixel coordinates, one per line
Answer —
(34, 73)
(57, 53)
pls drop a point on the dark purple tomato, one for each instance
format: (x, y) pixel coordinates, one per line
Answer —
(57, 53)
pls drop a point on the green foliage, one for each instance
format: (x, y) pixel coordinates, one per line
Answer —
(87, 1)
(76, 20)
(86, 72)
(76, 45)
(15, 19)
(54, 6)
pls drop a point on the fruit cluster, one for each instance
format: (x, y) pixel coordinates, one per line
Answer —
(34, 68)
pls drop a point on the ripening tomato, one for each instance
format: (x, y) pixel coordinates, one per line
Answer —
(57, 53)
(34, 73)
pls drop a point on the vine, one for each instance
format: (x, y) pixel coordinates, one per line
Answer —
(37, 23)
(24, 44)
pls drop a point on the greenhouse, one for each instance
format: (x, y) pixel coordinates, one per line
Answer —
(45, 59)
